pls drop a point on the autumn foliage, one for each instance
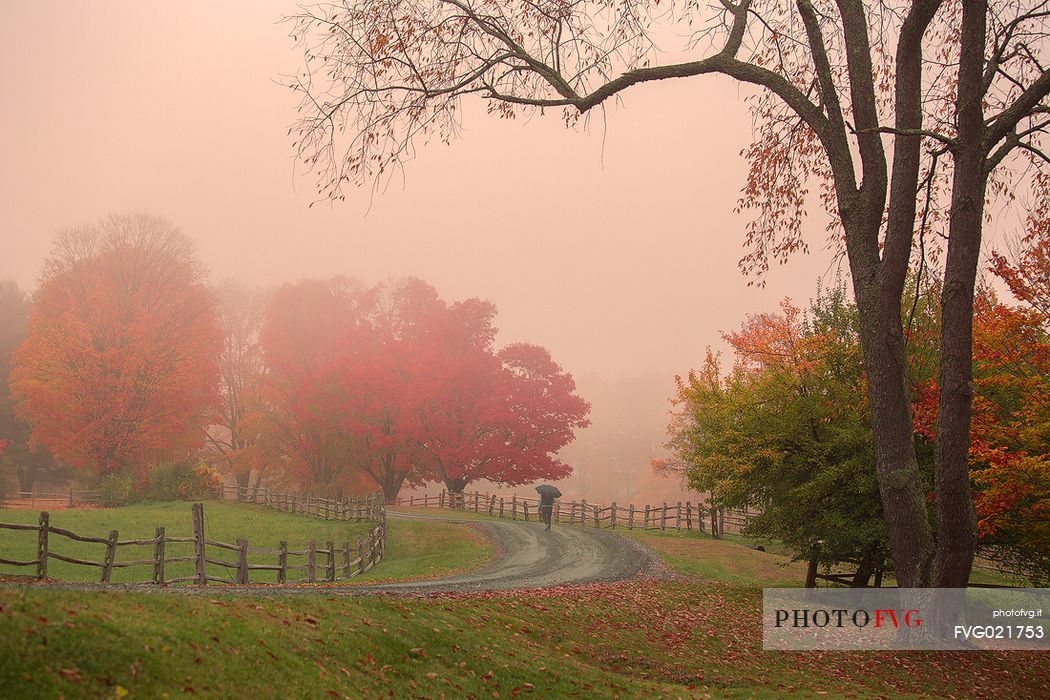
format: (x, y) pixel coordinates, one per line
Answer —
(1009, 434)
(120, 362)
(786, 430)
(390, 384)
(331, 386)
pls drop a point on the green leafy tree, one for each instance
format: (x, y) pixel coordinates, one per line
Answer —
(787, 431)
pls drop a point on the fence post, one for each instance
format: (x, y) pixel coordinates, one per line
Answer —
(714, 523)
(372, 542)
(678, 517)
(331, 560)
(361, 557)
(158, 557)
(645, 526)
(441, 499)
(346, 559)
(688, 516)
(242, 561)
(501, 506)
(514, 507)
(492, 504)
(41, 545)
(663, 521)
(282, 562)
(630, 517)
(597, 522)
(614, 514)
(198, 542)
(311, 562)
(111, 554)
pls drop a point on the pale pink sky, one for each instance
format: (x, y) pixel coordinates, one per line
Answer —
(616, 248)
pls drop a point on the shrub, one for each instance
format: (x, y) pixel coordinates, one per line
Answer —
(174, 482)
(115, 490)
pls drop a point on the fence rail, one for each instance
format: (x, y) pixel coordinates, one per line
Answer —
(667, 516)
(350, 509)
(862, 576)
(331, 562)
(32, 500)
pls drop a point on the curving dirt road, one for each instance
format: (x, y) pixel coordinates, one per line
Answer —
(526, 557)
(529, 557)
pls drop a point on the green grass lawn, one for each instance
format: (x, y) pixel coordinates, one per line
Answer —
(224, 521)
(420, 549)
(699, 636)
(691, 638)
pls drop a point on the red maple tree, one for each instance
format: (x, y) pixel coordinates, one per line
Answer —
(391, 384)
(499, 416)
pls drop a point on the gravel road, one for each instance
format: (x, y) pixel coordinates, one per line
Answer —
(529, 557)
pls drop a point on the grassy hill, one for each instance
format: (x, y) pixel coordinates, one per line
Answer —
(696, 636)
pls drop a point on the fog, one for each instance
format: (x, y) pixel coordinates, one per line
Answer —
(614, 246)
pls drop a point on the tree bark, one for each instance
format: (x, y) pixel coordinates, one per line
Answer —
(456, 485)
(897, 469)
(391, 484)
(956, 520)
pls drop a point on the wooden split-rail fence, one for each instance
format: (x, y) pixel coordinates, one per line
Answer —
(332, 562)
(34, 500)
(355, 509)
(667, 516)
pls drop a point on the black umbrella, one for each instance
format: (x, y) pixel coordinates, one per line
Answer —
(548, 490)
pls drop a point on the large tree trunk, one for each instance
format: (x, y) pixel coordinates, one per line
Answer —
(456, 486)
(956, 521)
(879, 272)
(903, 502)
(392, 482)
(882, 343)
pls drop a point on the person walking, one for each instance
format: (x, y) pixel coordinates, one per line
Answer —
(547, 495)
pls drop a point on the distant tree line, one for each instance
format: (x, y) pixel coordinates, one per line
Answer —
(125, 359)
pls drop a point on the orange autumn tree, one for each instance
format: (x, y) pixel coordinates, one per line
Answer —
(120, 363)
(1009, 435)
